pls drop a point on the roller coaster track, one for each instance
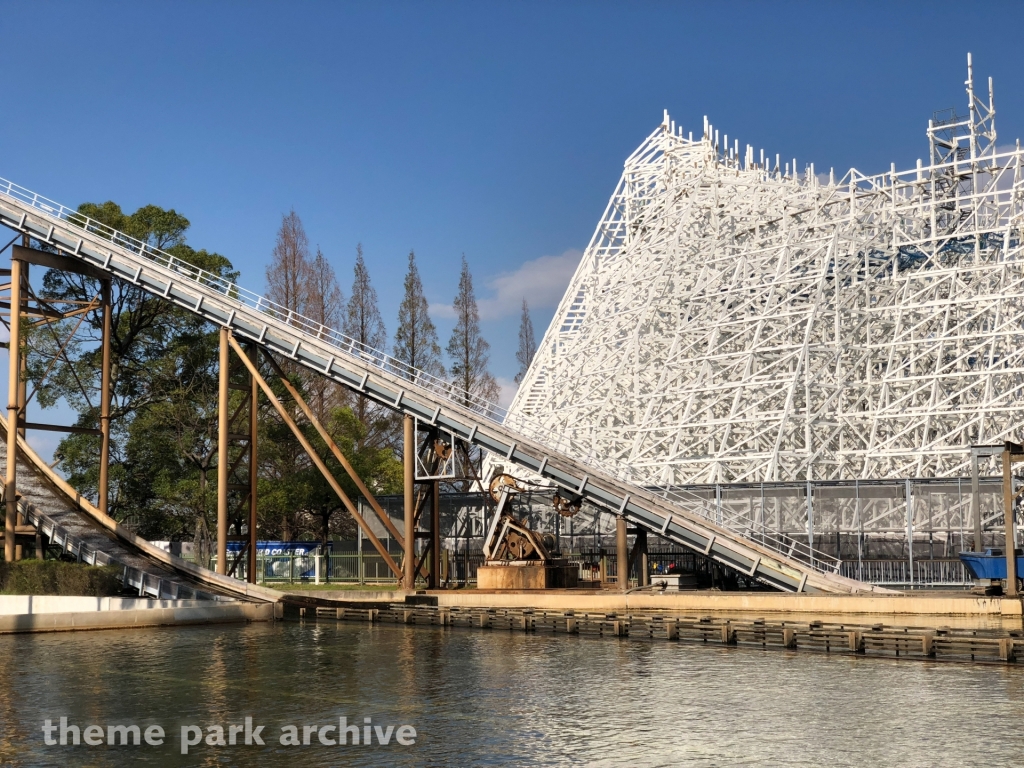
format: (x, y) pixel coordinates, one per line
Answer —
(777, 560)
(72, 523)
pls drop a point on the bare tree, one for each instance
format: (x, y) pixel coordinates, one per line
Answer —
(325, 306)
(416, 338)
(288, 274)
(527, 344)
(467, 349)
(363, 323)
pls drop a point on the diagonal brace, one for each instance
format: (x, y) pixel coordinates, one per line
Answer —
(314, 457)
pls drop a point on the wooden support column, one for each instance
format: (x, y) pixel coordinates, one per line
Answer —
(105, 374)
(409, 461)
(254, 396)
(13, 415)
(1008, 498)
(223, 418)
(621, 554)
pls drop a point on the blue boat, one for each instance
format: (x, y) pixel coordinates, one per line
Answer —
(991, 564)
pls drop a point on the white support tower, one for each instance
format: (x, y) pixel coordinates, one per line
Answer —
(737, 320)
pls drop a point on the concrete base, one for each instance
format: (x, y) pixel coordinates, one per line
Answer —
(519, 576)
(752, 603)
(61, 614)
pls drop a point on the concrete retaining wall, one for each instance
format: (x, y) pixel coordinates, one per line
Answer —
(760, 603)
(184, 613)
(19, 604)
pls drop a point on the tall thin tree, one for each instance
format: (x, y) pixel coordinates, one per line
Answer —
(416, 338)
(288, 274)
(527, 344)
(325, 306)
(467, 349)
(363, 323)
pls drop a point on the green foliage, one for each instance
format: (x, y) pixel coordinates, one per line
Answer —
(164, 383)
(55, 577)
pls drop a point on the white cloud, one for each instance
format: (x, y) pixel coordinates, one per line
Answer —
(542, 282)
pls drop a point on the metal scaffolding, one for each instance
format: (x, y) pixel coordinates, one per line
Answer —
(735, 320)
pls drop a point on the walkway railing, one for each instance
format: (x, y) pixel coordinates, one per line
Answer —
(525, 425)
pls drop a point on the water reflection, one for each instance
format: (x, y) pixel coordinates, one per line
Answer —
(498, 698)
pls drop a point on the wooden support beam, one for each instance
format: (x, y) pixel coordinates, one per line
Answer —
(314, 457)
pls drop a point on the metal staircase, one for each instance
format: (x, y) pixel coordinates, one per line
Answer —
(774, 559)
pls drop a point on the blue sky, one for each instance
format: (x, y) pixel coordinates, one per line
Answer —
(493, 129)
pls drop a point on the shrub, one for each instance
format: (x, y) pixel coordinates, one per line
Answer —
(55, 577)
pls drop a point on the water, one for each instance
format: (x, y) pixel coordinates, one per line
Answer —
(500, 698)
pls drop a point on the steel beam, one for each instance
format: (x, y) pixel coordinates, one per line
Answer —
(409, 478)
(13, 376)
(103, 491)
(434, 576)
(254, 396)
(621, 554)
(336, 451)
(223, 427)
(268, 392)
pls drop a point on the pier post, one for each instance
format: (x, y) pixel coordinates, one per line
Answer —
(621, 554)
(13, 415)
(409, 457)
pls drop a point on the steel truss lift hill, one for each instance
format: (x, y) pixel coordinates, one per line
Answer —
(774, 559)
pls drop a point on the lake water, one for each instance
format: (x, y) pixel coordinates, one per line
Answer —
(497, 698)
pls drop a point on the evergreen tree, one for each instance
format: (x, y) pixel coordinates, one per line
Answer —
(527, 344)
(416, 338)
(467, 349)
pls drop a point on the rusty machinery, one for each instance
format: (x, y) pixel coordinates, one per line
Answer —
(512, 540)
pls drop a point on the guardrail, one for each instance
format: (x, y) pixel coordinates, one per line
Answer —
(525, 425)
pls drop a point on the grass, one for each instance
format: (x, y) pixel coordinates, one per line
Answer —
(55, 577)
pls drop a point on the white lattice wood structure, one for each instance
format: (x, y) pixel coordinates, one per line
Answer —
(735, 321)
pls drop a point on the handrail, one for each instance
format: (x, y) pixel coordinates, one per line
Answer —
(522, 423)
